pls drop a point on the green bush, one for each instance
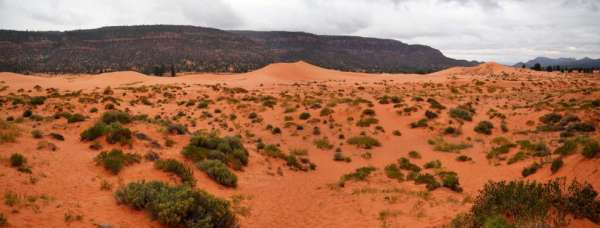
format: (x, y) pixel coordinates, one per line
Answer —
(177, 206)
(484, 127)
(463, 158)
(461, 113)
(75, 118)
(37, 134)
(323, 144)
(116, 116)
(531, 169)
(218, 171)
(568, 147)
(368, 112)
(229, 150)
(419, 123)
(304, 116)
(94, 132)
(435, 104)
(429, 180)
(326, 111)
(359, 174)
(414, 154)
(405, 164)
(185, 173)
(556, 165)
(366, 122)
(532, 203)
(338, 156)
(435, 164)
(591, 149)
(430, 115)
(450, 180)
(519, 156)
(364, 141)
(550, 118)
(118, 134)
(393, 172)
(115, 160)
(8, 131)
(17, 160)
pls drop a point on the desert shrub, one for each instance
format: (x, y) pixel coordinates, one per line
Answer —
(118, 134)
(484, 127)
(338, 156)
(368, 112)
(218, 171)
(326, 111)
(591, 149)
(252, 115)
(393, 172)
(185, 173)
(359, 174)
(115, 160)
(414, 154)
(174, 128)
(439, 144)
(3, 220)
(272, 150)
(364, 141)
(9, 132)
(94, 132)
(499, 150)
(17, 160)
(405, 164)
(568, 147)
(396, 133)
(37, 100)
(57, 136)
(519, 156)
(430, 114)
(37, 134)
(531, 169)
(451, 131)
(75, 118)
(550, 118)
(463, 158)
(177, 206)
(556, 165)
(461, 113)
(229, 150)
(366, 122)
(435, 104)
(581, 127)
(419, 123)
(450, 180)
(435, 164)
(538, 149)
(323, 144)
(27, 113)
(429, 180)
(304, 116)
(116, 116)
(529, 203)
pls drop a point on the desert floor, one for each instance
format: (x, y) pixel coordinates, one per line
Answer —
(65, 182)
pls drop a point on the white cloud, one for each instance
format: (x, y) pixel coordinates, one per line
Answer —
(489, 30)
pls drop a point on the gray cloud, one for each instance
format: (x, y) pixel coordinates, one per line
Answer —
(506, 31)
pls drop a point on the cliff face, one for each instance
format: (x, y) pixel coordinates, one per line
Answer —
(192, 48)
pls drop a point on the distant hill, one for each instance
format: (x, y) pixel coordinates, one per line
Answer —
(562, 62)
(188, 48)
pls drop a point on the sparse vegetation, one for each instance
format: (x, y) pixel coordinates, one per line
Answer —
(177, 206)
(173, 166)
(218, 171)
(364, 141)
(115, 160)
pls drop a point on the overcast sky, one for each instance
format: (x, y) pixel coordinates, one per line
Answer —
(506, 31)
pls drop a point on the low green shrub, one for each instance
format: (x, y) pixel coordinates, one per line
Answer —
(17, 160)
(414, 154)
(228, 149)
(527, 203)
(115, 160)
(393, 172)
(591, 148)
(484, 127)
(177, 206)
(364, 141)
(405, 164)
(184, 172)
(304, 116)
(531, 169)
(359, 174)
(116, 116)
(429, 180)
(450, 180)
(461, 113)
(556, 165)
(435, 164)
(218, 171)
